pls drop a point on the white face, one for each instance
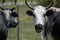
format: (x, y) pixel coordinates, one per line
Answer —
(7, 14)
(39, 15)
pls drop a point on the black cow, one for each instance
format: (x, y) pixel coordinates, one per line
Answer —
(7, 20)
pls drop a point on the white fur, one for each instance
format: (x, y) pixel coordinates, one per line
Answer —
(39, 12)
(7, 14)
(39, 18)
(41, 34)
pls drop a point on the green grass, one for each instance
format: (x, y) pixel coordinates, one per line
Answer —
(19, 0)
(27, 28)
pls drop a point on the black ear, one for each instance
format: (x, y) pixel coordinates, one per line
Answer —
(49, 12)
(30, 13)
(14, 14)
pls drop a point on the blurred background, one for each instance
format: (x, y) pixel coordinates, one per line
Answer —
(26, 29)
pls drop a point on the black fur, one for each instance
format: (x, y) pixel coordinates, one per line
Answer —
(53, 24)
(30, 13)
(14, 14)
(49, 12)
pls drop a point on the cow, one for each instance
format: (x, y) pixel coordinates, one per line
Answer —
(53, 24)
(38, 13)
(7, 20)
(44, 25)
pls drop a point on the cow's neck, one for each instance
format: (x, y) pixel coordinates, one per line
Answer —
(2, 19)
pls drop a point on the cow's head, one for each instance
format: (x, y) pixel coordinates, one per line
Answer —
(10, 16)
(38, 13)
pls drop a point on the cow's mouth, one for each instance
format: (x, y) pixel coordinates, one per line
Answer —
(12, 24)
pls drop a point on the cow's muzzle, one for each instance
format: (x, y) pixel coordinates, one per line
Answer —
(12, 24)
(38, 28)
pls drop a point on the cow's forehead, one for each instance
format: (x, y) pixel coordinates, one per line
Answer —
(7, 11)
(39, 9)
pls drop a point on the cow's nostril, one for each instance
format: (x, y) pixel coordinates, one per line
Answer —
(38, 28)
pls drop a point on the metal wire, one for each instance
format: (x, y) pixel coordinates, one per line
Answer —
(18, 28)
(18, 23)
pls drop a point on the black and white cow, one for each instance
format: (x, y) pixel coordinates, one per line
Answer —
(7, 20)
(38, 13)
(43, 25)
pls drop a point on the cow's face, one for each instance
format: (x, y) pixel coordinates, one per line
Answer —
(38, 16)
(38, 13)
(10, 17)
(7, 14)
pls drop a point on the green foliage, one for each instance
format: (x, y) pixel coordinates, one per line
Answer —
(44, 2)
(58, 3)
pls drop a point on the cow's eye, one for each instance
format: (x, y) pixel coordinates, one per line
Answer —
(14, 14)
(30, 13)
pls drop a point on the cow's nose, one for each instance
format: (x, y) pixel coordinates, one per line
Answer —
(38, 28)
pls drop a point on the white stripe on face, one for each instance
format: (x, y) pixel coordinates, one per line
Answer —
(7, 14)
(39, 15)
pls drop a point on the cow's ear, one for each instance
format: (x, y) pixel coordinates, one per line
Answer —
(14, 14)
(49, 12)
(29, 12)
